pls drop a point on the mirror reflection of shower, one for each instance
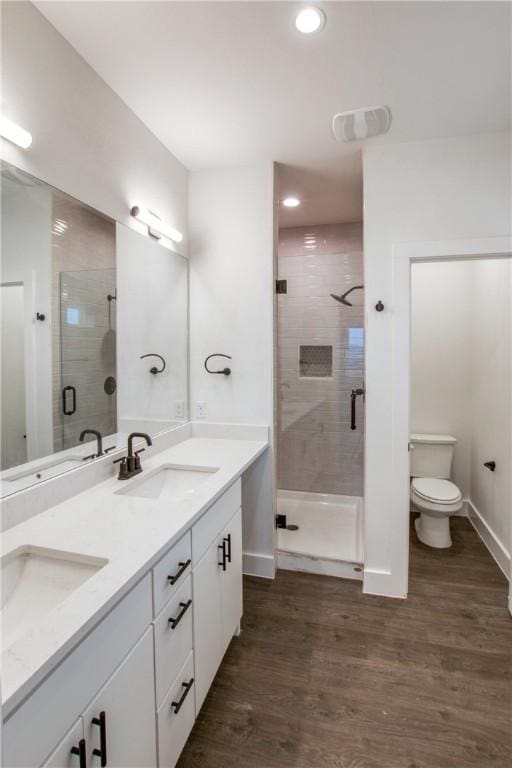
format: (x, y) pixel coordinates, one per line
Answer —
(343, 298)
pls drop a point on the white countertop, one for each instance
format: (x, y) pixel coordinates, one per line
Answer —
(131, 533)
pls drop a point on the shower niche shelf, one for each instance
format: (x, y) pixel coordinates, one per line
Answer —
(315, 361)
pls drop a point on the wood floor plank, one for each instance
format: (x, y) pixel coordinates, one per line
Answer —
(323, 676)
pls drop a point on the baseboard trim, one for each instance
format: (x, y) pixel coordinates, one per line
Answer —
(258, 565)
(290, 561)
(500, 554)
(377, 582)
(464, 511)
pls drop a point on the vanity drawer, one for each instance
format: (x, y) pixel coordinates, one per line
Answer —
(170, 572)
(214, 520)
(173, 639)
(174, 727)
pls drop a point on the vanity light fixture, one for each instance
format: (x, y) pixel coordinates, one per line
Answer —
(156, 227)
(291, 202)
(14, 133)
(310, 19)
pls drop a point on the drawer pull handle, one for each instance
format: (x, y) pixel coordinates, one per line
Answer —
(177, 705)
(102, 751)
(81, 752)
(223, 548)
(181, 570)
(227, 539)
(184, 608)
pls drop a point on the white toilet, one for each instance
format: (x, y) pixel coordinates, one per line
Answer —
(432, 492)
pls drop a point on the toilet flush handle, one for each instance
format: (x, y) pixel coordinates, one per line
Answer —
(490, 465)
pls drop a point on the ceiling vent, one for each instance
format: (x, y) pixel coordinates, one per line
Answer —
(363, 123)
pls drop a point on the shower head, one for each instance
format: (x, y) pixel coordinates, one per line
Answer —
(342, 299)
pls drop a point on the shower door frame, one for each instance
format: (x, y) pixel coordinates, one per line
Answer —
(404, 255)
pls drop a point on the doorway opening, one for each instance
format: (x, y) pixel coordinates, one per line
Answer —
(461, 415)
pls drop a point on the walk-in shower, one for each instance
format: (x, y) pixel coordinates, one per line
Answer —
(320, 422)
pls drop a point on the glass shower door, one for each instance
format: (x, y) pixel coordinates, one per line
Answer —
(87, 355)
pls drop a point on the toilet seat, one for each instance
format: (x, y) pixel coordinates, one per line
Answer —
(436, 490)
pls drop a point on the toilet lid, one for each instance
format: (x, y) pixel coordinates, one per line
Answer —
(435, 489)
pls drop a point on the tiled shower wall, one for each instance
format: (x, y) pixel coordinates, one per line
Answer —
(83, 266)
(317, 450)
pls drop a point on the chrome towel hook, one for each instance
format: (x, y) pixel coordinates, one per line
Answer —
(154, 369)
(225, 371)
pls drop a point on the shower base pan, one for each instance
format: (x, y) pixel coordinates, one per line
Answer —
(329, 538)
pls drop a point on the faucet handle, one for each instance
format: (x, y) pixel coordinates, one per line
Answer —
(137, 458)
(124, 473)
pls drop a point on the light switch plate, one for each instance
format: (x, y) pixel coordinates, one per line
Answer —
(201, 409)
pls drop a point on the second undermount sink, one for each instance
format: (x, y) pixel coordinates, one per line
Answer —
(173, 482)
(35, 580)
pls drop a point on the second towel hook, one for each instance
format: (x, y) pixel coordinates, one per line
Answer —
(225, 371)
(154, 369)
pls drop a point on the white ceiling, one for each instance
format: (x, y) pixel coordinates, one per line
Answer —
(233, 83)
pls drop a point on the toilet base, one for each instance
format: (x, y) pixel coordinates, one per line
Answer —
(434, 531)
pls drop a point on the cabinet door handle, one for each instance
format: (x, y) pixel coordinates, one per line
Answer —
(81, 752)
(227, 539)
(223, 548)
(102, 751)
(184, 608)
(177, 705)
(181, 570)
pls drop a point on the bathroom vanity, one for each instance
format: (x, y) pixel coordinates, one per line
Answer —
(150, 580)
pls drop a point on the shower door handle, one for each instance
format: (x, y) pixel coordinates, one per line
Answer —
(353, 396)
(65, 411)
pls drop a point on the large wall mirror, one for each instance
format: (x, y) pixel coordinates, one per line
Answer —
(94, 332)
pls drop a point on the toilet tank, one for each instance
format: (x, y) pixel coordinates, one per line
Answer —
(431, 455)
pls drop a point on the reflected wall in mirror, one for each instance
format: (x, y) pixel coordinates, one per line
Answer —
(152, 320)
(70, 348)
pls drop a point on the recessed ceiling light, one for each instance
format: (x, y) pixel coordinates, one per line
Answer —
(291, 202)
(310, 19)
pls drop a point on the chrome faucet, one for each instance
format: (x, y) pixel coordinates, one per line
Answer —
(130, 465)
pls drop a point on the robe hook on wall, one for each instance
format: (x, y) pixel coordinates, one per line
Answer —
(154, 369)
(225, 371)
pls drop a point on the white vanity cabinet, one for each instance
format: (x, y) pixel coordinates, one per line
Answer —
(127, 696)
(216, 586)
(67, 753)
(119, 725)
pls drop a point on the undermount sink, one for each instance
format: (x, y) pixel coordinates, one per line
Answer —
(35, 580)
(47, 469)
(173, 482)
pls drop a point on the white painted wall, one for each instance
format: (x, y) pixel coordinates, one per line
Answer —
(491, 372)
(12, 390)
(444, 189)
(441, 401)
(231, 311)
(86, 140)
(461, 381)
(26, 259)
(151, 316)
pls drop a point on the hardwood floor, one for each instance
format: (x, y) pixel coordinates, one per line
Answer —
(323, 676)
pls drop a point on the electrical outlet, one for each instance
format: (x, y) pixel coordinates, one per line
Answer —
(179, 410)
(201, 409)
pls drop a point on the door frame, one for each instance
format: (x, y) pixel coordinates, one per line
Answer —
(404, 254)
